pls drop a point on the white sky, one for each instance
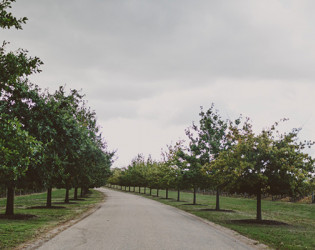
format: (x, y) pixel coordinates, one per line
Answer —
(147, 66)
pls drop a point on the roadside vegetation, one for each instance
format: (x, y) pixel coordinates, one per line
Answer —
(35, 219)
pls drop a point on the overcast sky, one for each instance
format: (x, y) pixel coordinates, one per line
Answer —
(146, 66)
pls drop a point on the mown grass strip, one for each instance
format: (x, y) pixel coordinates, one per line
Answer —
(14, 232)
(298, 233)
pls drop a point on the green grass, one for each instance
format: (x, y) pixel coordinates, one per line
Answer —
(15, 232)
(299, 233)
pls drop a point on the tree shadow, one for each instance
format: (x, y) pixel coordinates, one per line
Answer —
(64, 203)
(259, 222)
(168, 199)
(190, 204)
(79, 199)
(214, 210)
(45, 207)
(17, 217)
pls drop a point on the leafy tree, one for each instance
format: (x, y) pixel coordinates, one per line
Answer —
(207, 141)
(175, 173)
(193, 174)
(17, 151)
(267, 163)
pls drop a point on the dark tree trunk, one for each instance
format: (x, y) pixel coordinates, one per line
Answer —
(150, 191)
(178, 194)
(129, 188)
(67, 196)
(145, 190)
(217, 204)
(49, 195)
(139, 190)
(75, 195)
(195, 191)
(10, 201)
(82, 192)
(157, 193)
(258, 217)
(166, 193)
(134, 188)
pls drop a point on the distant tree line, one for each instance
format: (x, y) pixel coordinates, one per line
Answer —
(47, 140)
(228, 156)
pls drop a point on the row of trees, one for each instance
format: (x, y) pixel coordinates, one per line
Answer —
(46, 140)
(227, 155)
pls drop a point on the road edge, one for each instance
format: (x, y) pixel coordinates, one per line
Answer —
(51, 233)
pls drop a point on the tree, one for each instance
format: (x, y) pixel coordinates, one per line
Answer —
(16, 103)
(175, 170)
(267, 163)
(207, 140)
(17, 151)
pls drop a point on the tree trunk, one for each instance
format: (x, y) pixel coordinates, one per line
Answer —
(195, 191)
(217, 205)
(178, 194)
(167, 193)
(129, 188)
(150, 191)
(258, 217)
(48, 200)
(139, 190)
(67, 196)
(10, 201)
(134, 188)
(75, 195)
(81, 194)
(157, 193)
(145, 190)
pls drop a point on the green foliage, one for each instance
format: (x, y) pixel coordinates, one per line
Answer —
(267, 163)
(73, 151)
(17, 150)
(7, 20)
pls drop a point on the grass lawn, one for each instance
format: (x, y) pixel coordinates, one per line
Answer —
(16, 231)
(298, 233)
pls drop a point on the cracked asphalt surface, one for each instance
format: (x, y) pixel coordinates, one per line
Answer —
(131, 222)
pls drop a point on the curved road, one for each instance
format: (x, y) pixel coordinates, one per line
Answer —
(131, 222)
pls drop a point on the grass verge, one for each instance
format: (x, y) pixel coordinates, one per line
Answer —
(14, 232)
(296, 230)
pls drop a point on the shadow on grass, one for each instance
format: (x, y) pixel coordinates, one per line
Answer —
(17, 217)
(79, 199)
(71, 202)
(214, 210)
(190, 204)
(259, 222)
(44, 207)
(168, 199)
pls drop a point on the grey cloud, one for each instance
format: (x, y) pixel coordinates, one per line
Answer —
(186, 42)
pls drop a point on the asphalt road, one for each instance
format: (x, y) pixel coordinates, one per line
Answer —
(131, 222)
